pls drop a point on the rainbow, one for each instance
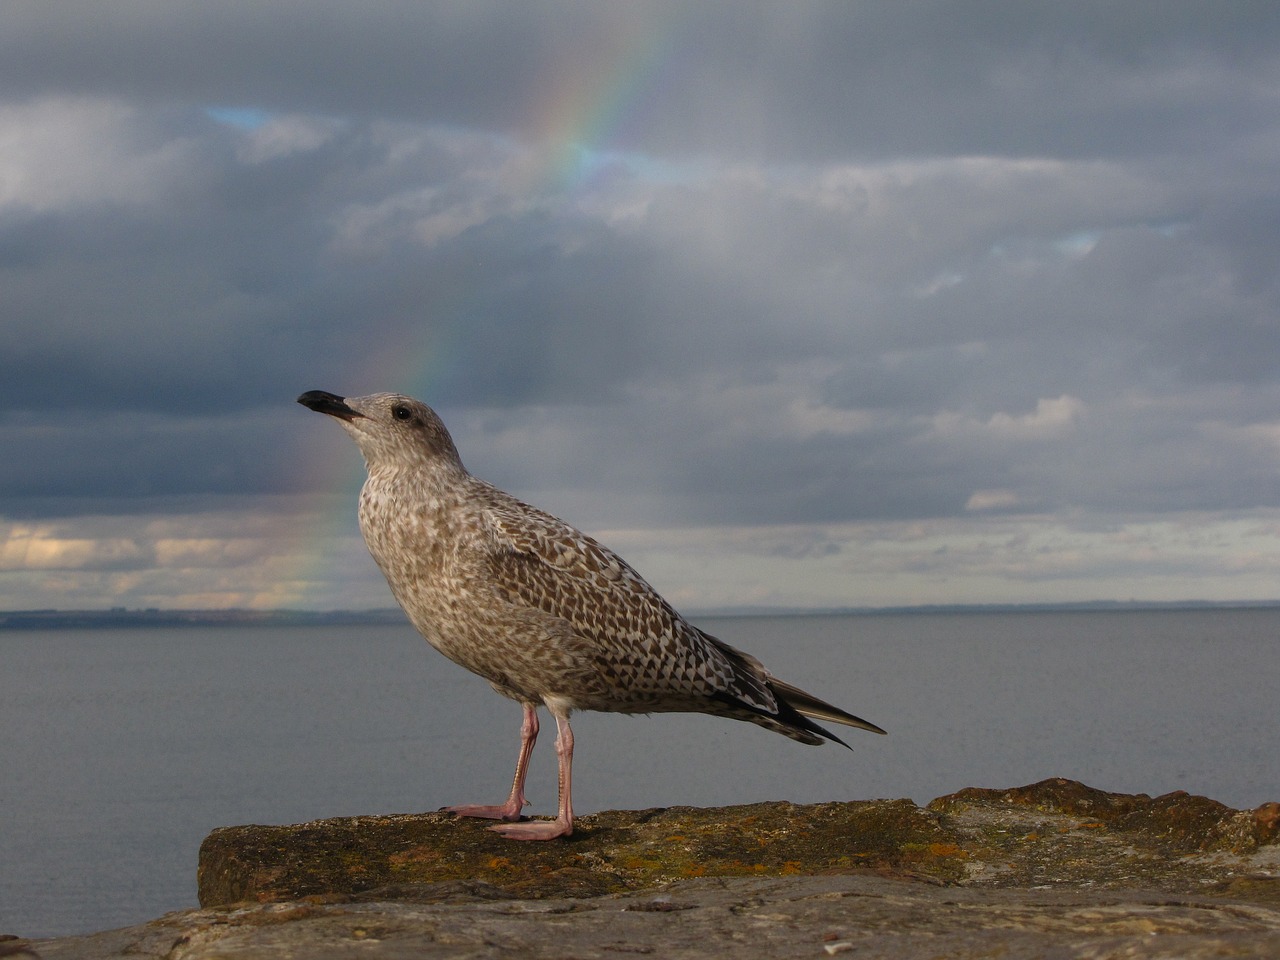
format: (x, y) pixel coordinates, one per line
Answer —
(591, 105)
(582, 110)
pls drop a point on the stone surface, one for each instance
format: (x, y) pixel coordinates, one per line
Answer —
(1056, 831)
(1054, 869)
(610, 852)
(863, 915)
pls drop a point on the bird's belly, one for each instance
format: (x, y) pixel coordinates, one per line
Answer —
(524, 654)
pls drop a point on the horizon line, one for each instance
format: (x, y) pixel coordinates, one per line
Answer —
(177, 616)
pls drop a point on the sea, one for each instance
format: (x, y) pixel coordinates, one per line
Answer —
(121, 749)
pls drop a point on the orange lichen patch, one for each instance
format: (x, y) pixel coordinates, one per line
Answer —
(269, 915)
(1027, 835)
(640, 863)
(261, 884)
(1267, 817)
(739, 868)
(420, 854)
(1256, 889)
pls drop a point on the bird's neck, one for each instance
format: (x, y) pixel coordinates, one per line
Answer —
(422, 482)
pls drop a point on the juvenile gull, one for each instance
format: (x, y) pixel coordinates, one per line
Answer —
(543, 612)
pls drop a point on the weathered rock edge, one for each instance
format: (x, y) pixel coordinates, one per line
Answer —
(1056, 832)
(1052, 869)
(743, 918)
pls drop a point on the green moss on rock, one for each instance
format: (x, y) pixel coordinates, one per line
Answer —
(1054, 832)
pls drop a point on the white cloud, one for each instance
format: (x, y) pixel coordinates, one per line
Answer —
(268, 553)
(1051, 419)
(991, 500)
(61, 153)
(282, 136)
(45, 547)
(783, 407)
(1011, 559)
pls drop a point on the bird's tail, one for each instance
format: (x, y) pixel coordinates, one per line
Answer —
(796, 710)
(810, 706)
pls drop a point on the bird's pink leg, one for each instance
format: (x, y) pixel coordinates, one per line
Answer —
(562, 825)
(516, 802)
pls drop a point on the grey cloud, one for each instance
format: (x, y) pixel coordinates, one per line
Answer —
(134, 455)
(815, 81)
(869, 330)
(237, 292)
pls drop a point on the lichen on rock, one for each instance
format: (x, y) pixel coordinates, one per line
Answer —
(1054, 868)
(1054, 832)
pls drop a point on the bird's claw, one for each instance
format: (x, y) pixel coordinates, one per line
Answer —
(534, 829)
(506, 811)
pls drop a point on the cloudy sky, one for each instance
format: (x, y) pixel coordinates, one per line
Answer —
(791, 303)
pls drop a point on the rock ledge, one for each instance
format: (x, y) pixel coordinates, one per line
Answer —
(1054, 868)
(1053, 832)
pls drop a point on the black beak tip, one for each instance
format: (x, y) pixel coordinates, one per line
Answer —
(322, 401)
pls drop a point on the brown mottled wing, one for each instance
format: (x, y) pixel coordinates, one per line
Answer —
(653, 659)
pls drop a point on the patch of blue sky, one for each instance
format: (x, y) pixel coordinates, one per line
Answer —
(649, 168)
(245, 118)
(1079, 243)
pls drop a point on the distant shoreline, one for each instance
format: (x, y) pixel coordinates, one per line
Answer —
(154, 617)
(53, 619)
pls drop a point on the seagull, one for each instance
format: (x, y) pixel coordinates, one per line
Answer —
(549, 616)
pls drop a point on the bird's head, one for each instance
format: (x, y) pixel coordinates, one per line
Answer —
(391, 430)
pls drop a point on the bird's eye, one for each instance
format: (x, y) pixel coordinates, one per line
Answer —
(401, 412)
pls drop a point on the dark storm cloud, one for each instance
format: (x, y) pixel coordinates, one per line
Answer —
(867, 262)
(766, 80)
(74, 455)
(250, 268)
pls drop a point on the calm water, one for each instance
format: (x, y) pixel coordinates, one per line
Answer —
(119, 751)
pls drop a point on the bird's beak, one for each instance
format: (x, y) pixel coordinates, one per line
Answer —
(333, 405)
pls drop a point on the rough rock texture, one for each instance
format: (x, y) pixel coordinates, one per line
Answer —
(610, 852)
(1054, 832)
(779, 917)
(1055, 869)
